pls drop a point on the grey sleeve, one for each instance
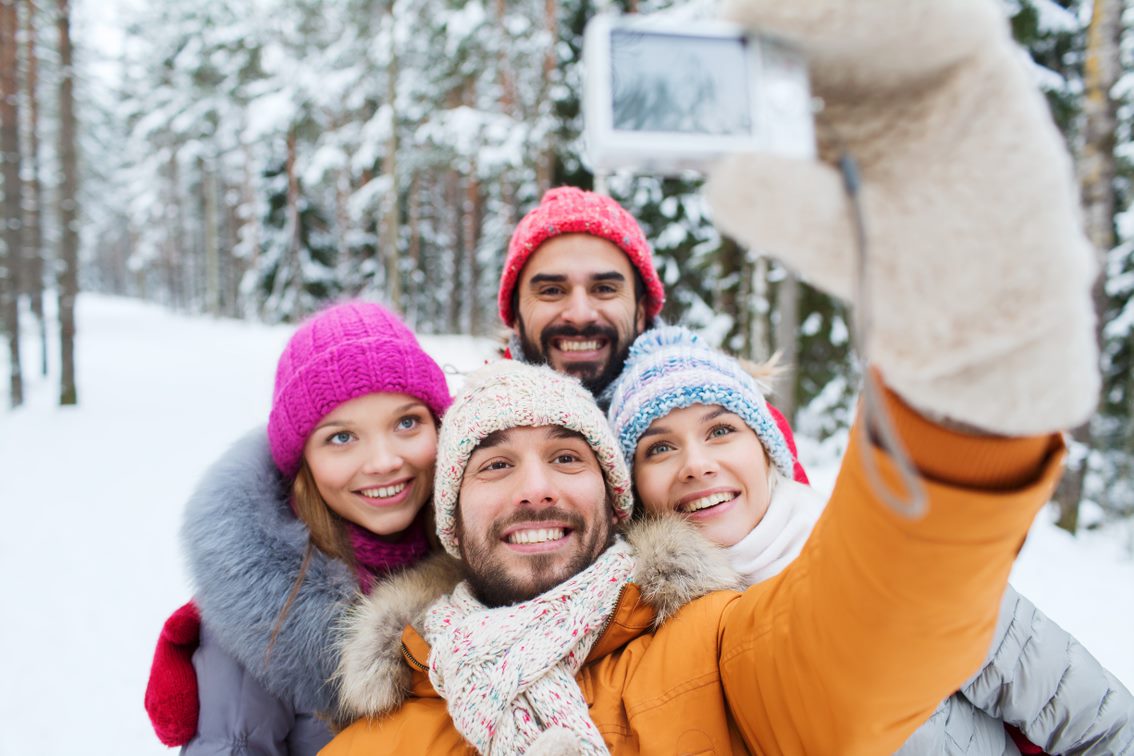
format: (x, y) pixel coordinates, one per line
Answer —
(238, 715)
(1040, 679)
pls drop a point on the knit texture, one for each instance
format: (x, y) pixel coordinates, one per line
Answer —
(510, 394)
(670, 368)
(999, 331)
(508, 674)
(568, 210)
(344, 352)
(171, 693)
(377, 556)
(777, 539)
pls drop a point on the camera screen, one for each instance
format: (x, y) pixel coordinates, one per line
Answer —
(675, 83)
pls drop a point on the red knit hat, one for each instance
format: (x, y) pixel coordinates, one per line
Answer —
(569, 210)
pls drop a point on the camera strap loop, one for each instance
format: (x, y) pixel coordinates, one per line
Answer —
(877, 428)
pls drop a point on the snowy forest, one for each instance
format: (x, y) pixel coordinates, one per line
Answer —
(255, 159)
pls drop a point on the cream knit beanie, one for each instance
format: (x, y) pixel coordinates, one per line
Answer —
(510, 394)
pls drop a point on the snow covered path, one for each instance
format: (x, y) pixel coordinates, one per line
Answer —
(89, 556)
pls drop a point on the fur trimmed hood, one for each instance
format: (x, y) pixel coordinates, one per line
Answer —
(675, 564)
(245, 547)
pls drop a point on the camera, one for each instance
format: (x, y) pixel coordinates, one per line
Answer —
(664, 96)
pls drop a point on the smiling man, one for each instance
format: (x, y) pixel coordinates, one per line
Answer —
(578, 286)
(571, 631)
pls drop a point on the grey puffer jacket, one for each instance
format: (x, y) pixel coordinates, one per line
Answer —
(1039, 679)
(244, 548)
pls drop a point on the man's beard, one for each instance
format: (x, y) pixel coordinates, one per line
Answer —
(494, 586)
(593, 375)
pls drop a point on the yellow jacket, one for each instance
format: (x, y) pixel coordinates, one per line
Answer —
(845, 652)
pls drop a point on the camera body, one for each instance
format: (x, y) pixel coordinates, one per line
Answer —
(663, 96)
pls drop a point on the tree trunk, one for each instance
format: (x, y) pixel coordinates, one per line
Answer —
(390, 209)
(288, 273)
(545, 161)
(470, 221)
(727, 299)
(787, 336)
(33, 280)
(68, 210)
(212, 249)
(11, 213)
(1096, 176)
(175, 267)
(761, 338)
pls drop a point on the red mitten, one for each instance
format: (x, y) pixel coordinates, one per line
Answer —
(1026, 746)
(797, 469)
(171, 695)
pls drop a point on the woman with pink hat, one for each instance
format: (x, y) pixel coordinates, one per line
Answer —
(289, 525)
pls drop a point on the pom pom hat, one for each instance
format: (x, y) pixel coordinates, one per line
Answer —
(670, 368)
(568, 210)
(344, 352)
(510, 394)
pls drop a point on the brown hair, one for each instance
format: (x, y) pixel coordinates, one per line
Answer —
(326, 531)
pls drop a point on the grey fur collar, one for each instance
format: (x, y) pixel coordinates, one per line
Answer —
(674, 565)
(244, 550)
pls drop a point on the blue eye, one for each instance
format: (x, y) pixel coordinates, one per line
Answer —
(661, 447)
(721, 430)
(340, 438)
(408, 422)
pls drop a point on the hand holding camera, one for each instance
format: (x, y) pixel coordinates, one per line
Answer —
(978, 269)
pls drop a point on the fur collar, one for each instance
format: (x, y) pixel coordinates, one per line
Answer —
(674, 565)
(244, 549)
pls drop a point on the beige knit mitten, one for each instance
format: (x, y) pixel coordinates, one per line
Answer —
(978, 269)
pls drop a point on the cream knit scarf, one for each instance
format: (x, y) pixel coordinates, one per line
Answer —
(779, 536)
(508, 674)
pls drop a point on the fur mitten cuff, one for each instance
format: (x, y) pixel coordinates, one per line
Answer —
(978, 269)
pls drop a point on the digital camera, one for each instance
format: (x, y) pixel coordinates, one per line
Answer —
(664, 97)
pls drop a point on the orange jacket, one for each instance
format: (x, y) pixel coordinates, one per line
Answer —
(845, 652)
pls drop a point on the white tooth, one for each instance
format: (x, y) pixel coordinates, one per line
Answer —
(537, 535)
(706, 501)
(578, 346)
(383, 492)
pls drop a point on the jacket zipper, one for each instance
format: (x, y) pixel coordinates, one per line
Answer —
(609, 617)
(411, 660)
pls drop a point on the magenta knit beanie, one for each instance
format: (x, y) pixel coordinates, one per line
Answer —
(344, 352)
(568, 210)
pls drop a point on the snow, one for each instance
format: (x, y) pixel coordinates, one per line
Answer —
(93, 496)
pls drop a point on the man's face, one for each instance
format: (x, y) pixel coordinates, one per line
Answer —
(532, 512)
(577, 308)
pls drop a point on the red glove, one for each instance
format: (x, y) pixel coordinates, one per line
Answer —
(171, 695)
(797, 471)
(1026, 746)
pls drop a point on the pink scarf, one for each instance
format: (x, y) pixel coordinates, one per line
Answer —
(377, 556)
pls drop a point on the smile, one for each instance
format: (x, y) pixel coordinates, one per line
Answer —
(536, 535)
(384, 492)
(588, 345)
(705, 502)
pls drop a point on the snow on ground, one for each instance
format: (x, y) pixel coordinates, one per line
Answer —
(90, 563)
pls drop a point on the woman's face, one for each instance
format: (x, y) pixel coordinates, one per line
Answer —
(706, 463)
(372, 460)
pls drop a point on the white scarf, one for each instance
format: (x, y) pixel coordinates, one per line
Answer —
(778, 538)
(508, 674)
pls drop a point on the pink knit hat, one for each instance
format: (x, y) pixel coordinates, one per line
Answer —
(568, 210)
(344, 352)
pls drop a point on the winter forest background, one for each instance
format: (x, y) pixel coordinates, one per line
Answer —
(254, 159)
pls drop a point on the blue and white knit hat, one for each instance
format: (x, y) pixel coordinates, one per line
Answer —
(671, 368)
(510, 394)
